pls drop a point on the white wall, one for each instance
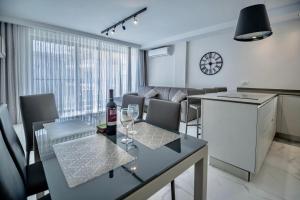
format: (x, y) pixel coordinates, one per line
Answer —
(169, 71)
(270, 63)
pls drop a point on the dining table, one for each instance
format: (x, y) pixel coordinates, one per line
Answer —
(138, 174)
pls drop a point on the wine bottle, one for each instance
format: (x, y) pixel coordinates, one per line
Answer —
(111, 115)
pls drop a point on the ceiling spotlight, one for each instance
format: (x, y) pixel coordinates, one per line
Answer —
(106, 33)
(113, 30)
(135, 21)
(123, 26)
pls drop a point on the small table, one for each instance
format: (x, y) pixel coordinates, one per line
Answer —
(154, 169)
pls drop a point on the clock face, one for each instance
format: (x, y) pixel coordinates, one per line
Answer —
(211, 63)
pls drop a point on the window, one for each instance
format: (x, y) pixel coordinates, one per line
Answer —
(79, 71)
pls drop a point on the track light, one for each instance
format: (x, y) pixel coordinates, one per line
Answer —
(135, 21)
(122, 22)
(123, 26)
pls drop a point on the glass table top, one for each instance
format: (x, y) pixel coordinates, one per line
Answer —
(122, 181)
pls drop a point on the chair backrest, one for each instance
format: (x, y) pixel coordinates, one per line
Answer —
(12, 141)
(164, 114)
(11, 185)
(132, 99)
(36, 108)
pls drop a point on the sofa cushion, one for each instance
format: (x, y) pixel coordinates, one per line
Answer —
(163, 92)
(179, 96)
(151, 93)
(143, 90)
(173, 91)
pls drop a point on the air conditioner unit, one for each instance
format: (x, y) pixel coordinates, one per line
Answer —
(163, 51)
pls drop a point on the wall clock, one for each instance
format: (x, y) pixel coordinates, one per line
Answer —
(211, 63)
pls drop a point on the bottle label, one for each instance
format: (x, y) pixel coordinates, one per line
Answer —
(111, 116)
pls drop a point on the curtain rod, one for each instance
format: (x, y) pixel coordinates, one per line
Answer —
(46, 26)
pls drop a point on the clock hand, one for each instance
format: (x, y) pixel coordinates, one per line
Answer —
(215, 62)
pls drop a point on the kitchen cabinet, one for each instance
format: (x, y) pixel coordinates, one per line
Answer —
(288, 119)
(239, 128)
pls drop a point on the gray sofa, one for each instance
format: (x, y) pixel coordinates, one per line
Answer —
(167, 93)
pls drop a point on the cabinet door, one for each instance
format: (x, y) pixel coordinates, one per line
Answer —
(230, 129)
(290, 115)
(266, 128)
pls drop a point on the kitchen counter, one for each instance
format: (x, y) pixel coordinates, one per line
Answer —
(239, 128)
(238, 97)
(269, 90)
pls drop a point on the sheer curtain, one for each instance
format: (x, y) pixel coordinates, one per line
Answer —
(8, 79)
(114, 69)
(77, 69)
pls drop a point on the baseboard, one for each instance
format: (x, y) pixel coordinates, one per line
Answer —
(291, 138)
(231, 169)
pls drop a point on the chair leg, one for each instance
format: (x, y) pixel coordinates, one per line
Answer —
(173, 190)
(187, 117)
(27, 157)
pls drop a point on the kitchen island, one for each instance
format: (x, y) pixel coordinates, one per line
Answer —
(239, 128)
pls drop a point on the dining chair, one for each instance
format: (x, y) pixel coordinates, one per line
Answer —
(36, 108)
(132, 99)
(166, 115)
(12, 186)
(32, 175)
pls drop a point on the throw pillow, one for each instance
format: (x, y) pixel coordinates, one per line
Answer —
(151, 93)
(178, 97)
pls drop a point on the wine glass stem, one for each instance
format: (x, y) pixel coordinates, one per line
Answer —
(132, 129)
(133, 125)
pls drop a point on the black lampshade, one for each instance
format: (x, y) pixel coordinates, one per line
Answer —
(253, 24)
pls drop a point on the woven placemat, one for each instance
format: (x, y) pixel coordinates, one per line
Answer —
(152, 136)
(86, 158)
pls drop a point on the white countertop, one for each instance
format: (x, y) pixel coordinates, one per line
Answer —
(239, 97)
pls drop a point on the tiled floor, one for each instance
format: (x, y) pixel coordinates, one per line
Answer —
(279, 178)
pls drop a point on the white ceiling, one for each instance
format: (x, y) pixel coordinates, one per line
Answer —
(163, 19)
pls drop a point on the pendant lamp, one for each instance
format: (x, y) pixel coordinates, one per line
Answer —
(253, 24)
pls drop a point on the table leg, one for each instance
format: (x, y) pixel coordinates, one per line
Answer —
(200, 179)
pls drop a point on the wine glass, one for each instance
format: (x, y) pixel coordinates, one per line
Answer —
(126, 120)
(133, 166)
(134, 113)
